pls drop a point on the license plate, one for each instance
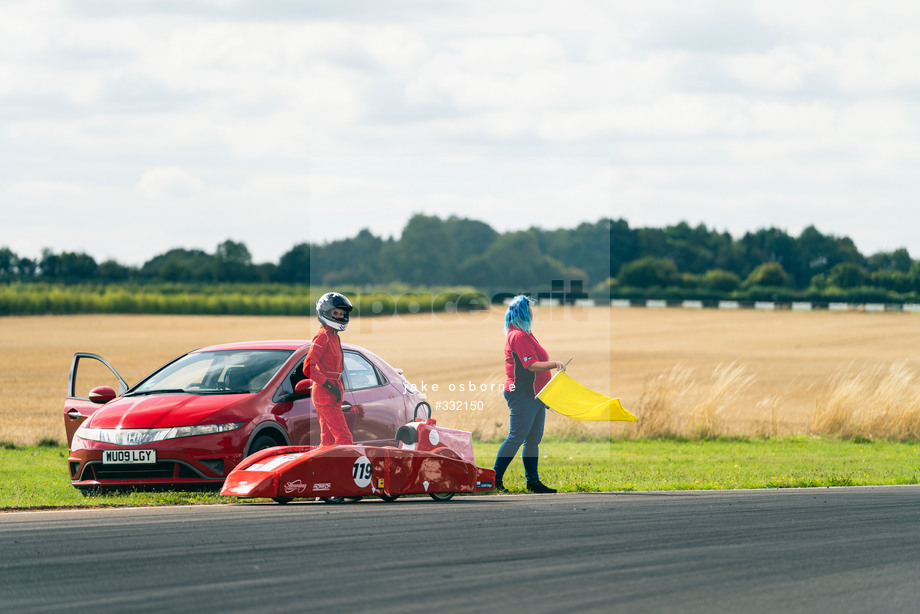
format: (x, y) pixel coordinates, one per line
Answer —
(128, 457)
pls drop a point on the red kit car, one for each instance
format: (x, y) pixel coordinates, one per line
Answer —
(429, 459)
(190, 422)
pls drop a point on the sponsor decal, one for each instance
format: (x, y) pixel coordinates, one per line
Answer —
(379, 482)
(322, 486)
(433, 437)
(485, 485)
(294, 487)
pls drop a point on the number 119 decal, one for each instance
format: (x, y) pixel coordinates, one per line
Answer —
(361, 472)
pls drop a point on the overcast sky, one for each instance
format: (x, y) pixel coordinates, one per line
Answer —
(129, 128)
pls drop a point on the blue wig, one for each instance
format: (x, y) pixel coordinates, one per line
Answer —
(518, 313)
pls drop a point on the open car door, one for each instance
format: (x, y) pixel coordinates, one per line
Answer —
(93, 382)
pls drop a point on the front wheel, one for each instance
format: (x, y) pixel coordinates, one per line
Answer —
(441, 497)
(262, 442)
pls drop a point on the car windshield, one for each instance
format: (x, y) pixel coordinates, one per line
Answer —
(218, 372)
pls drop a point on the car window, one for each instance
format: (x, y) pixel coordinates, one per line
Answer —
(224, 371)
(360, 373)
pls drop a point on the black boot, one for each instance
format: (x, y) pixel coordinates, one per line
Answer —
(499, 486)
(539, 487)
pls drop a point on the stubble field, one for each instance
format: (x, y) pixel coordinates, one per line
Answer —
(683, 372)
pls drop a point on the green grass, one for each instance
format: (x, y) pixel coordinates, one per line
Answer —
(661, 464)
(36, 477)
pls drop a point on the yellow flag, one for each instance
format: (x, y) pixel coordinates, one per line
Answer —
(566, 396)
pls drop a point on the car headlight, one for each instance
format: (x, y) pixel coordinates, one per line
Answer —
(139, 437)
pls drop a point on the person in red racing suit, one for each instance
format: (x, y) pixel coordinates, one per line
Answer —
(324, 365)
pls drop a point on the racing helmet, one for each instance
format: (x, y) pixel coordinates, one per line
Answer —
(325, 305)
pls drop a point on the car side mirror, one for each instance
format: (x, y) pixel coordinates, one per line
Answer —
(303, 388)
(101, 394)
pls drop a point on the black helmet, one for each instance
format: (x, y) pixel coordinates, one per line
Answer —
(325, 305)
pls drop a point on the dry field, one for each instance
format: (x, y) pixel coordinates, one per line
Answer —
(681, 371)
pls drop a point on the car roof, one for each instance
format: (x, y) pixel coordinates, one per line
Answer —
(288, 344)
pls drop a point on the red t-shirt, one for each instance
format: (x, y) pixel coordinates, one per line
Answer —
(522, 350)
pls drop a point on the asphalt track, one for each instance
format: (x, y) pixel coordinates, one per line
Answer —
(811, 550)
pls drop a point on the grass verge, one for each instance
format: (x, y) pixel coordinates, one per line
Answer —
(663, 464)
(36, 477)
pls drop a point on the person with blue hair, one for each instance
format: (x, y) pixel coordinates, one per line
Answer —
(527, 370)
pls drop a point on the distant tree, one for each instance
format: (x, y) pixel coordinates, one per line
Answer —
(898, 260)
(179, 265)
(26, 269)
(624, 245)
(457, 250)
(768, 274)
(264, 272)
(891, 280)
(233, 262)
(49, 265)
(517, 263)
(294, 265)
(767, 245)
(847, 275)
(649, 272)
(692, 249)
(424, 252)
(469, 237)
(914, 276)
(362, 258)
(355, 260)
(67, 267)
(719, 280)
(110, 271)
(477, 270)
(819, 253)
(8, 260)
(585, 247)
(651, 243)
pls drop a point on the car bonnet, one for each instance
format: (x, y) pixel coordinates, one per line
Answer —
(168, 410)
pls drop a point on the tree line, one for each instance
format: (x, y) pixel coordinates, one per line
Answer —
(607, 257)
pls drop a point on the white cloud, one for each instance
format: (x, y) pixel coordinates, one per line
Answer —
(277, 123)
(169, 183)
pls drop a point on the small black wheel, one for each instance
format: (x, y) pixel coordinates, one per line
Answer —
(283, 500)
(441, 497)
(341, 499)
(389, 498)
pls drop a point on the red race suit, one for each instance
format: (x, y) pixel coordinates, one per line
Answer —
(325, 363)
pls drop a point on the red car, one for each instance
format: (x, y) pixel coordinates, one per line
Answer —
(189, 423)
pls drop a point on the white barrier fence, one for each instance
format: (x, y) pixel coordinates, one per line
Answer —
(758, 305)
(623, 303)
